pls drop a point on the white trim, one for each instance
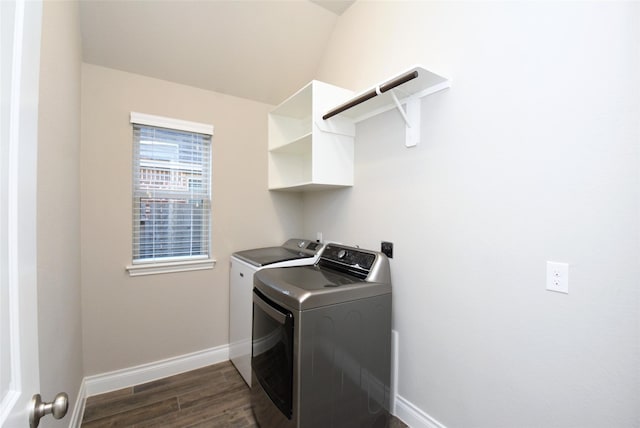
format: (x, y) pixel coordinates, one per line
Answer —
(165, 260)
(413, 416)
(169, 267)
(402, 408)
(78, 408)
(21, 62)
(8, 402)
(394, 368)
(170, 123)
(112, 381)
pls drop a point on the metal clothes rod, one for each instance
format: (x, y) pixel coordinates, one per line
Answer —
(372, 93)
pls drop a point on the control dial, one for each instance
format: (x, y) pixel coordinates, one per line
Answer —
(341, 254)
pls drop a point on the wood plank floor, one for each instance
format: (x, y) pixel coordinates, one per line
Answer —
(213, 396)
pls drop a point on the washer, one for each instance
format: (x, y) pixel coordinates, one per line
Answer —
(321, 344)
(294, 252)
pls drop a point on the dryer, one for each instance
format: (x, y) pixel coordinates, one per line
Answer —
(322, 342)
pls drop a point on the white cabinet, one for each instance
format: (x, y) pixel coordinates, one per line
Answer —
(305, 151)
(240, 310)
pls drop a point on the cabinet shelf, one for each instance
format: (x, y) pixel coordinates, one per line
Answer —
(305, 152)
(297, 146)
(307, 186)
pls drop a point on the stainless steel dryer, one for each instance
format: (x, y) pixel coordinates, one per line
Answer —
(321, 343)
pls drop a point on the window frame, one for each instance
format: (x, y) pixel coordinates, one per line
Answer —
(179, 263)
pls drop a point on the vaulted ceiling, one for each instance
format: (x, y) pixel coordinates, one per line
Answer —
(261, 50)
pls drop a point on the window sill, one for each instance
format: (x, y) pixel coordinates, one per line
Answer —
(169, 267)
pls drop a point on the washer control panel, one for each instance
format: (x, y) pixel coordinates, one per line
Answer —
(313, 246)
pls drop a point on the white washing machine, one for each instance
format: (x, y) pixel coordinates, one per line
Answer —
(294, 252)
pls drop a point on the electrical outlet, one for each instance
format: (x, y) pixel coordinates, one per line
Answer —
(558, 277)
(319, 237)
(387, 249)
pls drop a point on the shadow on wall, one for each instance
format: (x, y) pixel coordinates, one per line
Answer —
(330, 213)
(288, 210)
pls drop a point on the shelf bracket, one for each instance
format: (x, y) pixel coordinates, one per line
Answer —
(413, 132)
(411, 118)
(400, 109)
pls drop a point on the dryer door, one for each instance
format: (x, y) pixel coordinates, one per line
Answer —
(272, 346)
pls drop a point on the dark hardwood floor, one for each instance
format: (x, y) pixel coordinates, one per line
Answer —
(213, 396)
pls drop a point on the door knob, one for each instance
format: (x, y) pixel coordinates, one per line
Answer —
(58, 408)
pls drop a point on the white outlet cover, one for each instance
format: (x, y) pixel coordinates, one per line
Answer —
(558, 277)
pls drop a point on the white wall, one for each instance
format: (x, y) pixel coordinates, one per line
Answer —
(128, 321)
(58, 217)
(532, 155)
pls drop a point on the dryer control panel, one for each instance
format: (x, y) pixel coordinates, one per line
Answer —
(350, 260)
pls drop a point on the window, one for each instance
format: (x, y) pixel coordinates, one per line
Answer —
(171, 195)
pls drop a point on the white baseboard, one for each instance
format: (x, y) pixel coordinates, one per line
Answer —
(78, 408)
(112, 381)
(118, 379)
(411, 415)
(395, 348)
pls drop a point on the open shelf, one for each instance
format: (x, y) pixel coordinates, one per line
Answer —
(284, 130)
(308, 186)
(303, 155)
(297, 105)
(298, 146)
(424, 84)
(288, 169)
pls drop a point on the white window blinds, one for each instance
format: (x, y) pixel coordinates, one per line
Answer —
(171, 194)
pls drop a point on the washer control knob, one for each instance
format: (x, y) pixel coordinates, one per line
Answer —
(341, 254)
(300, 244)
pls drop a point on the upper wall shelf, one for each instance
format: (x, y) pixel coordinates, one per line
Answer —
(405, 88)
(303, 155)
